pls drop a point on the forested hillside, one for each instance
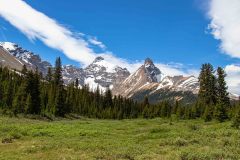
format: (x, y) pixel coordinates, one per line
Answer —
(28, 92)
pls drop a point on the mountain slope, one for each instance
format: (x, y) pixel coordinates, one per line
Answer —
(103, 74)
(6, 59)
(149, 81)
(28, 58)
(146, 74)
(174, 88)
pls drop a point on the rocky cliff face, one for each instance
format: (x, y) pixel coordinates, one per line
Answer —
(148, 73)
(28, 58)
(103, 74)
(99, 73)
(7, 60)
(148, 80)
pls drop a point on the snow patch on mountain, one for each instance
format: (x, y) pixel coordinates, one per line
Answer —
(30, 59)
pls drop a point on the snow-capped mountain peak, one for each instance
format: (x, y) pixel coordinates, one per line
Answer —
(148, 73)
(104, 74)
(8, 45)
(100, 64)
(154, 74)
(30, 59)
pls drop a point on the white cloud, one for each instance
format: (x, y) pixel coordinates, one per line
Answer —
(173, 70)
(225, 25)
(96, 42)
(233, 78)
(36, 25)
(76, 46)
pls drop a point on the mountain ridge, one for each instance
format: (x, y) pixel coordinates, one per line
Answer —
(147, 80)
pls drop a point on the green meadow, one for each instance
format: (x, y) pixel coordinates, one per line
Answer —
(138, 139)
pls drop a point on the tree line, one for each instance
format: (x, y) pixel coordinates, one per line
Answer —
(28, 92)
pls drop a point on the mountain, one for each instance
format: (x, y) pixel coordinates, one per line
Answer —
(146, 74)
(148, 80)
(26, 57)
(71, 73)
(6, 59)
(103, 74)
(175, 88)
(99, 73)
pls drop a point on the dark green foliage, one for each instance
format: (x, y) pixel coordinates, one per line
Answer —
(24, 70)
(223, 102)
(208, 113)
(236, 120)
(213, 98)
(207, 80)
(29, 93)
(49, 75)
(58, 72)
(33, 88)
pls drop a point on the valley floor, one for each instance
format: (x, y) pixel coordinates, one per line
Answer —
(126, 139)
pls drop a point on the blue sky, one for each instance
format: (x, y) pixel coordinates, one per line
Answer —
(165, 30)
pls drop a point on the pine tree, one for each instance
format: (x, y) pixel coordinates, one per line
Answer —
(236, 120)
(24, 70)
(49, 74)
(33, 88)
(20, 99)
(76, 83)
(28, 103)
(61, 108)
(1, 91)
(223, 102)
(9, 93)
(145, 112)
(58, 73)
(207, 91)
(208, 113)
(207, 80)
(108, 98)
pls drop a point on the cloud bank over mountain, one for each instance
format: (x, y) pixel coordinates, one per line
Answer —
(78, 47)
(225, 27)
(38, 26)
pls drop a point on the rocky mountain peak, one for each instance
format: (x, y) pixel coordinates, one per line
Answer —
(8, 45)
(153, 73)
(98, 59)
(146, 74)
(30, 59)
(148, 61)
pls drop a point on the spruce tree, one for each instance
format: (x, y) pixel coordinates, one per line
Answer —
(58, 73)
(33, 88)
(1, 91)
(28, 103)
(236, 120)
(20, 99)
(76, 83)
(108, 98)
(49, 74)
(61, 108)
(24, 70)
(207, 91)
(208, 113)
(223, 102)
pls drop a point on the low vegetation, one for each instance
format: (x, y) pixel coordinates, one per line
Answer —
(118, 139)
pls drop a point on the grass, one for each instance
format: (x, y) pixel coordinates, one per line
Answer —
(112, 139)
